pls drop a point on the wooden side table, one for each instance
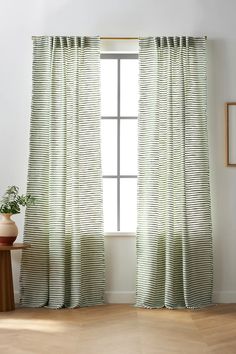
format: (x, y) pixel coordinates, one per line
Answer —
(7, 302)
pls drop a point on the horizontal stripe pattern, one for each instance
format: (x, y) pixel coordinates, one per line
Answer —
(65, 265)
(174, 238)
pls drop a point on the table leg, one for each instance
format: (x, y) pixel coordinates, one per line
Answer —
(7, 302)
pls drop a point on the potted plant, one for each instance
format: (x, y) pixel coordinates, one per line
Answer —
(10, 204)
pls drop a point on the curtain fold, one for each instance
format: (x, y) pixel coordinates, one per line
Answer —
(174, 238)
(65, 265)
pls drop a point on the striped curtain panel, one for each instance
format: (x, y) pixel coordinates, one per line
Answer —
(65, 265)
(174, 238)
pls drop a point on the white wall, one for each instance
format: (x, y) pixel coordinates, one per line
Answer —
(19, 20)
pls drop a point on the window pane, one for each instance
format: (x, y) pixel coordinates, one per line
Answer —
(109, 146)
(128, 204)
(108, 87)
(128, 146)
(110, 204)
(129, 87)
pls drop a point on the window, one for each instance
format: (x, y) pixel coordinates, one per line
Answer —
(119, 107)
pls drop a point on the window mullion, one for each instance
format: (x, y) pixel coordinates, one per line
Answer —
(118, 145)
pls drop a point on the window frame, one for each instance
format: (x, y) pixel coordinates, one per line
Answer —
(118, 176)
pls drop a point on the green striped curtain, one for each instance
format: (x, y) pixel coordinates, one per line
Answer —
(65, 265)
(174, 238)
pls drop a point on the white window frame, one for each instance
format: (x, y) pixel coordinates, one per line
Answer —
(118, 117)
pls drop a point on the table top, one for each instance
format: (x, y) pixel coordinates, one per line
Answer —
(15, 246)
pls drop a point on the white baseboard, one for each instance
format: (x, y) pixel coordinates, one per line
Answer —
(120, 297)
(111, 297)
(224, 297)
(128, 297)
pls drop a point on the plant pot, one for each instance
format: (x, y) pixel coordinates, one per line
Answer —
(8, 230)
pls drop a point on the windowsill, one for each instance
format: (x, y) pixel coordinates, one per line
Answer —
(120, 234)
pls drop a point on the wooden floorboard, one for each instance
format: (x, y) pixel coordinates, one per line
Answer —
(119, 329)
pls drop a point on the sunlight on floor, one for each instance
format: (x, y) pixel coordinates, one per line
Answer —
(47, 326)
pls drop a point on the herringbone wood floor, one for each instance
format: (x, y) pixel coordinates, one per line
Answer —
(119, 329)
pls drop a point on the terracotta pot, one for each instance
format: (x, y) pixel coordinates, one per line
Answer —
(8, 230)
